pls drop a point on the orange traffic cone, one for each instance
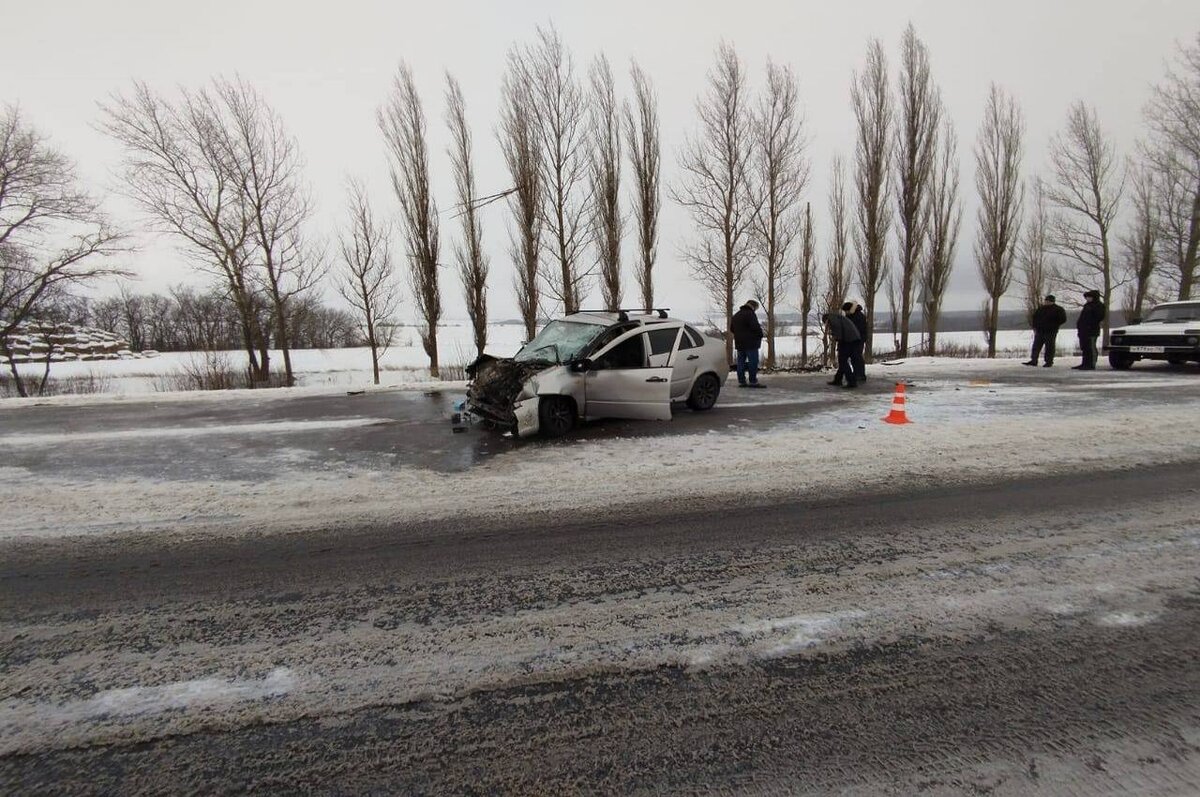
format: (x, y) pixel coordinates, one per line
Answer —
(897, 415)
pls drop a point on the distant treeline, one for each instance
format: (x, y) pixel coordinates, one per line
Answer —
(184, 319)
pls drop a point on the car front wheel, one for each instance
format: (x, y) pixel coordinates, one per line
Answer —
(1120, 361)
(556, 416)
(704, 393)
(1175, 359)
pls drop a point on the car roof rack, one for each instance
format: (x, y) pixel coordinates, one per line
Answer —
(623, 313)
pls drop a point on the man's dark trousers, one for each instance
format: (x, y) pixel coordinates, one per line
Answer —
(1045, 340)
(1087, 345)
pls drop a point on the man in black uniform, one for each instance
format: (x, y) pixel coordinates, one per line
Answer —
(1091, 318)
(854, 312)
(747, 339)
(1046, 321)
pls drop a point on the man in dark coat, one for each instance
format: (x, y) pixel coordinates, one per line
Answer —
(854, 312)
(1046, 321)
(849, 348)
(1091, 318)
(747, 339)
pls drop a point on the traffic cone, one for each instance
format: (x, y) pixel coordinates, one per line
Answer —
(897, 415)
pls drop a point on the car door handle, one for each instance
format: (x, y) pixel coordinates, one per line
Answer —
(656, 379)
(693, 356)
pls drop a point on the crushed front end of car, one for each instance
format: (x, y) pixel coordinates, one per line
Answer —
(497, 391)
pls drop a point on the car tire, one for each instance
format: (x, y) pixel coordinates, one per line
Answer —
(704, 393)
(1120, 361)
(556, 416)
(1177, 360)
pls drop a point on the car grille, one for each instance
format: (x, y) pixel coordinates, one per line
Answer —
(1149, 340)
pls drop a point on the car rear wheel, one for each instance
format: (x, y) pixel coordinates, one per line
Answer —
(704, 393)
(556, 416)
(1176, 360)
(1120, 361)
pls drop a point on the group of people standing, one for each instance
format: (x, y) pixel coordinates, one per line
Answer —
(1050, 316)
(848, 330)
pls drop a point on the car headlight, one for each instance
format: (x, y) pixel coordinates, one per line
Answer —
(1193, 340)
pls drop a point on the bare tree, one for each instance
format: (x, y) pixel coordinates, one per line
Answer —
(920, 115)
(560, 122)
(468, 253)
(1174, 203)
(265, 163)
(368, 278)
(1033, 253)
(1087, 194)
(837, 268)
(945, 221)
(607, 220)
(871, 97)
(781, 175)
(809, 279)
(998, 152)
(1140, 242)
(518, 141)
(52, 234)
(716, 187)
(176, 169)
(1173, 117)
(402, 121)
(642, 136)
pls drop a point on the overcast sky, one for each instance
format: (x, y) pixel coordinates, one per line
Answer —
(326, 67)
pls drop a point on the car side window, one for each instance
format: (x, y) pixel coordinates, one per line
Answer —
(609, 335)
(630, 353)
(691, 339)
(662, 340)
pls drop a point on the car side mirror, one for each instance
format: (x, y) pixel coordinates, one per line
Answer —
(1135, 320)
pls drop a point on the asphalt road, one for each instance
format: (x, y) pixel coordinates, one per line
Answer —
(250, 439)
(1036, 636)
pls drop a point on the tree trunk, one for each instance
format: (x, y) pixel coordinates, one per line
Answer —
(12, 367)
(803, 340)
(1187, 274)
(993, 324)
(288, 379)
(770, 325)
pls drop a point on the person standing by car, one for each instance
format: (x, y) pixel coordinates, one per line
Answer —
(1091, 317)
(854, 312)
(1046, 321)
(849, 348)
(747, 339)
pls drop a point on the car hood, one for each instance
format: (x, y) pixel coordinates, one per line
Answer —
(495, 383)
(1158, 328)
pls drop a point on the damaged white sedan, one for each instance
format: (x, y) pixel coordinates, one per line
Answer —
(595, 364)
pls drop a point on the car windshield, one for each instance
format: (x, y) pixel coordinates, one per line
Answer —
(559, 342)
(1175, 312)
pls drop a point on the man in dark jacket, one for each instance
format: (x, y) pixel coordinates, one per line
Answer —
(1046, 321)
(854, 312)
(747, 339)
(849, 348)
(1091, 318)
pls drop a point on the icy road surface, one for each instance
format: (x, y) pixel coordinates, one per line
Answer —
(785, 595)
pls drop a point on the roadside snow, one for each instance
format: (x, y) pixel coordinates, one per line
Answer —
(818, 456)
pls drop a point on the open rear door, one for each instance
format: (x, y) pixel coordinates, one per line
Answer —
(640, 393)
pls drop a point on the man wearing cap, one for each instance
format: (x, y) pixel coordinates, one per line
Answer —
(1046, 321)
(747, 339)
(1091, 318)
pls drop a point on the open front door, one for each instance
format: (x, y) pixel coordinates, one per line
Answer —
(621, 383)
(641, 393)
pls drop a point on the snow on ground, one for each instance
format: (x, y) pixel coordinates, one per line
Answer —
(973, 422)
(404, 365)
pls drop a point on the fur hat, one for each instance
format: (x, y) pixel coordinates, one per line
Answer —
(1091, 295)
(849, 307)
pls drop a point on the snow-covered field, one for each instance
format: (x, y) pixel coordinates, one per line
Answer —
(405, 364)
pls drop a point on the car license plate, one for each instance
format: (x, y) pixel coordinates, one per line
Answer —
(1147, 349)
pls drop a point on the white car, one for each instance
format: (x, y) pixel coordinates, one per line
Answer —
(597, 364)
(1171, 332)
